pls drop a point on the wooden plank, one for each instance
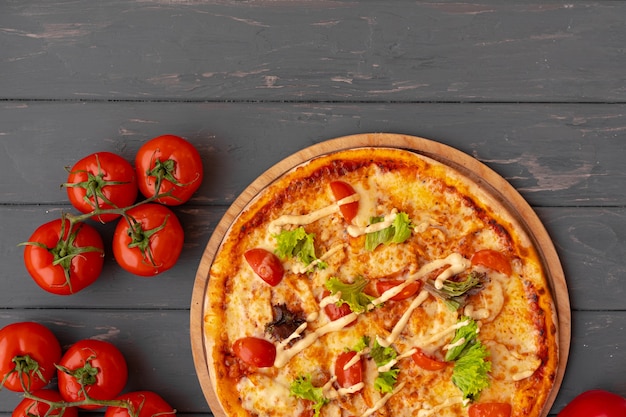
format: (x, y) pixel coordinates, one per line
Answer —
(161, 360)
(590, 242)
(554, 154)
(313, 50)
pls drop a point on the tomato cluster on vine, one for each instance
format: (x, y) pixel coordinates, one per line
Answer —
(66, 255)
(90, 374)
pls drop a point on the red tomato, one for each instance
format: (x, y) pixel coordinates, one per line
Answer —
(62, 261)
(492, 259)
(95, 365)
(350, 376)
(340, 191)
(255, 351)
(29, 407)
(143, 403)
(266, 265)
(490, 410)
(595, 403)
(335, 312)
(151, 243)
(427, 362)
(173, 165)
(103, 180)
(407, 292)
(28, 353)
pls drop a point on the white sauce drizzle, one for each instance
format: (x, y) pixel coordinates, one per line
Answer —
(331, 299)
(387, 367)
(458, 264)
(299, 268)
(276, 225)
(356, 358)
(312, 317)
(446, 332)
(455, 344)
(401, 324)
(480, 314)
(283, 356)
(447, 403)
(351, 390)
(380, 403)
(293, 335)
(356, 231)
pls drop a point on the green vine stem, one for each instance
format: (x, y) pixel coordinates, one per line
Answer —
(63, 405)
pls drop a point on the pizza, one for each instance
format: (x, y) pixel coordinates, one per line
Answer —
(376, 281)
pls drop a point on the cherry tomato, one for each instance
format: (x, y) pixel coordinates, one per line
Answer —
(335, 312)
(340, 191)
(595, 403)
(103, 180)
(407, 292)
(427, 362)
(64, 261)
(149, 241)
(353, 374)
(255, 351)
(490, 410)
(28, 353)
(143, 403)
(492, 259)
(29, 407)
(97, 365)
(266, 265)
(172, 164)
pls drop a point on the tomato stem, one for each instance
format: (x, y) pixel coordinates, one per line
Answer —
(65, 250)
(24, 366)
(93, 186)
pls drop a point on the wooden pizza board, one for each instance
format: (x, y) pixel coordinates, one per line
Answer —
(476, 171)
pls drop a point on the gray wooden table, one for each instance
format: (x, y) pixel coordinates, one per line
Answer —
(537, 91)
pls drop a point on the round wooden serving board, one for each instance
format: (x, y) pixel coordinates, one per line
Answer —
(476, 171)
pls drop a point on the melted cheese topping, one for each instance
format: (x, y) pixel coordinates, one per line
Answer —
(447, 229)
(425, 412)
(356, 231)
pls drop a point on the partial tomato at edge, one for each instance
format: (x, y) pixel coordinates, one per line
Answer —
(104, 360)
(340, 191)
(595, 403)
(177, 161)
(83, 256)
(29, 407)
(492, 259)
(31, 350)
(490, 410)
(144, 403)
(255, 351)
(104, 177)
(266, 265)
(152, 244)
